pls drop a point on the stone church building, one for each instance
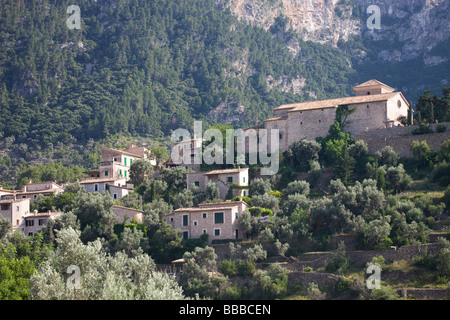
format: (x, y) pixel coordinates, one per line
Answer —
(376, 106)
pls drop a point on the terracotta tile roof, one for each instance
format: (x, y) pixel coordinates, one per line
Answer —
(212, 204)
(373, 82)
(97, 180)
(13, 200)
(43, 214)
(333, 103)
(225, 171)
(274, 119)
(202, 209)
(131, 209)
(123, 152)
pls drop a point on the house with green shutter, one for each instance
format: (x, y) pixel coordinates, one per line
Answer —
(219, 220)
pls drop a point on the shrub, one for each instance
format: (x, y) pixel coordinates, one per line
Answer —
(245, 199)
(339, 263)
(228, 268)
(423, 129)
(308, 269)
(245, 267)
(440, 128)
(385, 244)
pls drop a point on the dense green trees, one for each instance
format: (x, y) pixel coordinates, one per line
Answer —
(144, 71)
(102, 276)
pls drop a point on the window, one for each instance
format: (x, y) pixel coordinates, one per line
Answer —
(217, 232)
(41, 222)
(230, 179)
(204, 216)
(125, 174)
(218, 217)
(95, 187)
(115, 159)
(120, 172)
(17, 222)
(29, 223)
(131, 162)
(243, 179)
(237, 234)
(185, 235)
(204, 230)
(106, 173)
(281, 136)
(124, 160)
(244, 193)
(195, 223)
(185, 220)
(197, 183)
(115, 195)
(17, 208)
(367, 106)
(236, 215)
(171, 219)
(30, 233)
(368, 93)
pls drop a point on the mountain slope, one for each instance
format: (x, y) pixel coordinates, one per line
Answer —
(148, 67)
(410, 51)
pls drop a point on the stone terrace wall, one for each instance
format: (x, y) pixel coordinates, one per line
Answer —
(304, 278)
(400, 138)
(360, 258)
(423, 294)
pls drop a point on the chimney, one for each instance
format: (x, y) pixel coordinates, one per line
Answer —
(140, 203)
(24, 188)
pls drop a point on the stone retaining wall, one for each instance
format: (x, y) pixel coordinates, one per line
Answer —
(400, 138)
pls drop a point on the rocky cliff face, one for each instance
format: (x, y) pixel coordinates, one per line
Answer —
(314, 20)
(409, 28)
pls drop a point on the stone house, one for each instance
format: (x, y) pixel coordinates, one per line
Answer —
(117, 163)
(32, 191)
(224, 179)
(130, 213)
(15, 210)
(183, 153)
(375, 105)
(37, 221)
(101, 184)
(118, 192)
(219, 220)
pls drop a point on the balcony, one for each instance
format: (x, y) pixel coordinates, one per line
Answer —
(106, 163)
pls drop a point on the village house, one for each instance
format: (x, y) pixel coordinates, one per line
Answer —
(15, 210)
(375, 105)
(219, 220)
(184, 153)
(128, 214)
(32, 191)
(102, 184)
(114, 171)
(224, 179)
(35, 222)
